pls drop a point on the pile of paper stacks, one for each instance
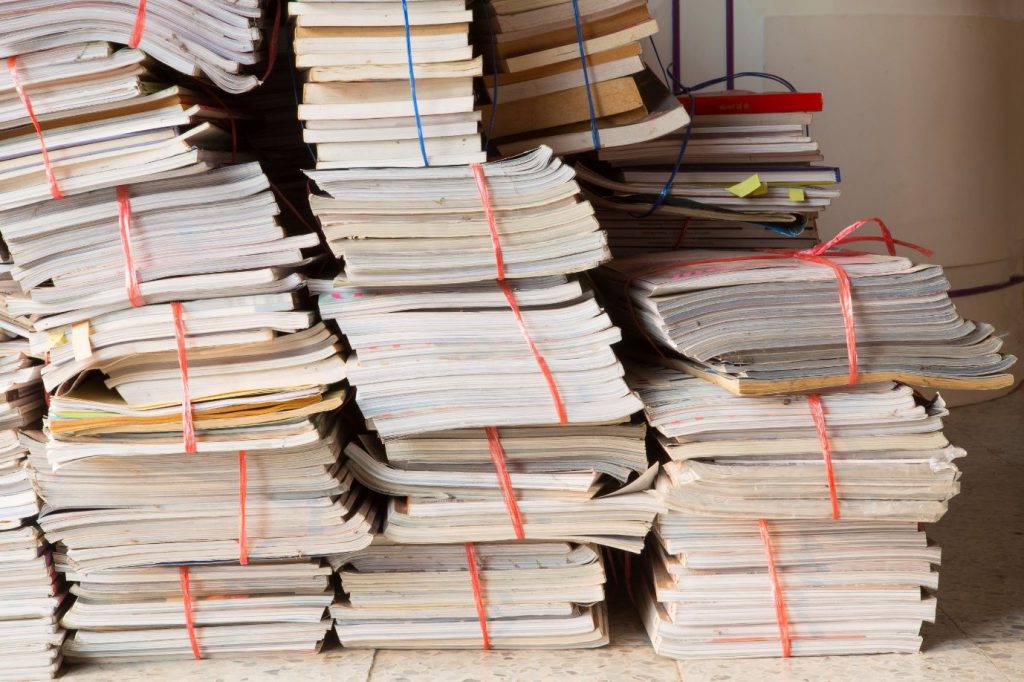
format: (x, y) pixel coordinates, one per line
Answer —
(502, 409)
(747, 178)
(539, 595)
(219, 39)
(569, 75)
(388, 83)
(793, 520)
(163, 338)
(31, 594)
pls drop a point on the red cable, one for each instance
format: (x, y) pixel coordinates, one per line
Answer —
(243, 485)
(12, 67)
(478, 596)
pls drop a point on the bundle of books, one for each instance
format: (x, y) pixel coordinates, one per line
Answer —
(229, 611)
(163, 339)
(569, 75)
(31, 594)
(539, 595)
(502, 410)
(219, 39)
(793, 520)
(388, 84)
(748, 171)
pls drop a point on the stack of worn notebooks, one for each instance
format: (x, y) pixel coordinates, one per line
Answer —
(192, 417)
(539, 595)
(221, 40)
(138, 613)
(500, 411)
(748, 172)
(569, 75)
(31, 594)
(797, 468)
(388, 84)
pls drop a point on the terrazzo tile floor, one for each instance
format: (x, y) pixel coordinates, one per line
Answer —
(979, 634)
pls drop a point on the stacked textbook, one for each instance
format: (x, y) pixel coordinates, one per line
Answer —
(797, 468)
(192, 417)
(569, 75)
(500, 412)
(747, 178)
(539, 595)
(388, 84)
(31, 594)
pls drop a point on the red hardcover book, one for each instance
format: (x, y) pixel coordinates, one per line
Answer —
(741, 102)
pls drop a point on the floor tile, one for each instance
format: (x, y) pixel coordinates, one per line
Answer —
(610, 664)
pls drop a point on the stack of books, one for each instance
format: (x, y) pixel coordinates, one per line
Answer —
(539, 595)
(179, 357)
(31, 594)
(229, 611)
(220, 40)
(482, 365)
(569, 75)
(759, 323)
(388, 84)
(748, 171)
(794, 498)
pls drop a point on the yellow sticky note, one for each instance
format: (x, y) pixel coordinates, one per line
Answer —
(80, 340)
(797, 194)
(750, 186)
(55, 339)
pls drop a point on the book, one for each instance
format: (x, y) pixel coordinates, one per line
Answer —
(739, 102)
(713, 319)
(539, 595)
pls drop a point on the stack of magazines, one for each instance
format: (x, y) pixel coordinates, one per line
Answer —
(742, 176)
(796, 468)
(388, 84)
(569, 75)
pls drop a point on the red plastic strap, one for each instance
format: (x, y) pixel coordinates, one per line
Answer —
(501, 467)
(12, 67)
(780, 602)
(140, 26)
(478, 594)
(243, 485)
(124, 220)
(510, 295)
(818, 414)
(820, 255)
(682, 234)
(188, 429)
(186, 597)
(275, 34)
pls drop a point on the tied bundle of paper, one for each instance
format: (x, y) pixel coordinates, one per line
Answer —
(762, 323)
(746, 160)
(163, 612)
(30, 597)
(219, 39)
(718, 588)
(429, 227)
(388, 83)
(569, 75)
(539, 595)
(746, 457)
(88, 116)
(629, 235)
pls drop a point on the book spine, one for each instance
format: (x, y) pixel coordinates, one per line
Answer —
(754, 103)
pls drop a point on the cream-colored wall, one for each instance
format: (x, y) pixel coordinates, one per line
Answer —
(924, 113)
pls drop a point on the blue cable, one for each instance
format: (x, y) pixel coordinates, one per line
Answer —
(586, 74)
(412, 82)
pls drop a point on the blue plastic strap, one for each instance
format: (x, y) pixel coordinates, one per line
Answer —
(586, 73)
(412, 82)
